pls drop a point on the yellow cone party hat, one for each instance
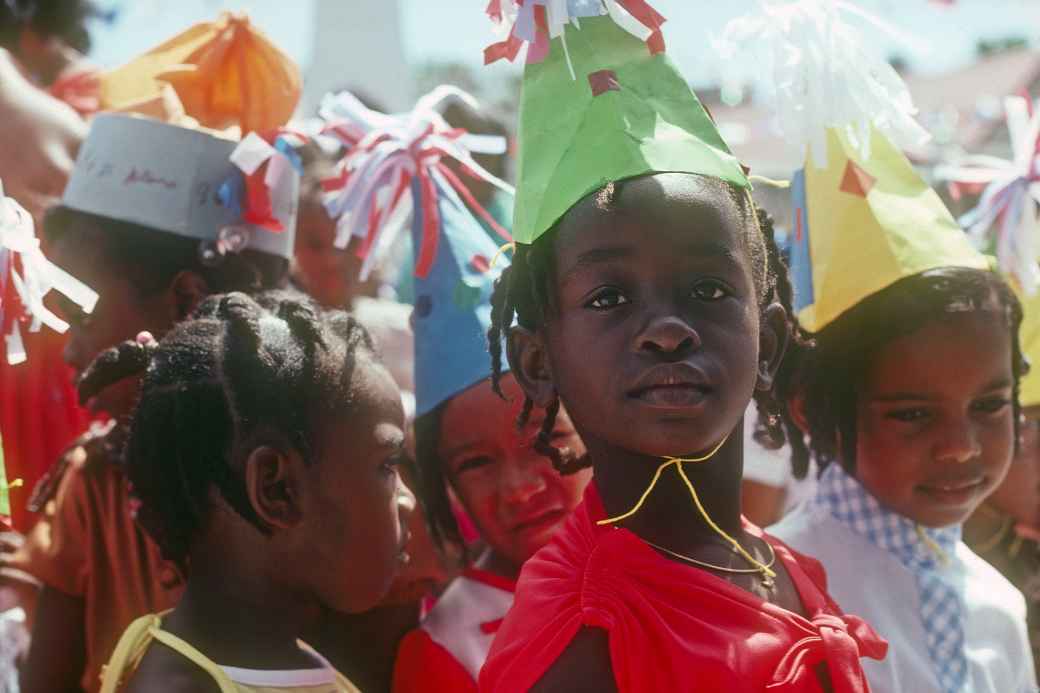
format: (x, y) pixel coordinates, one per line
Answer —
(863, 217)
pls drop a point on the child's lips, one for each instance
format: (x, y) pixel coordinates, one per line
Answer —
(682, 395)
(540, 520)
(674, 385)
(954, 491)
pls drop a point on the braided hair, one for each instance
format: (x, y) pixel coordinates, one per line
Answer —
(242, 372)
(524, 292)
(828, 377)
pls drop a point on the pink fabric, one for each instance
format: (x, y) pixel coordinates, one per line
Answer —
(672, 627)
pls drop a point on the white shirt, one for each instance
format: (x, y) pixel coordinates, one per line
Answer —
(465, 618)
(872, 583)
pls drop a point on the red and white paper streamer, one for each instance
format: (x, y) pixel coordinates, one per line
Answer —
(390, 155)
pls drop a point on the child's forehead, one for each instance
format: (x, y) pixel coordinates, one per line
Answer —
(666, 213)
(967, 348)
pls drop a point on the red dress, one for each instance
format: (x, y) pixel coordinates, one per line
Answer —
(446, 652)
(672, 627)
(39, 415)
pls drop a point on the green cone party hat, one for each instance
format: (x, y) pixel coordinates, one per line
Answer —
(601, 102)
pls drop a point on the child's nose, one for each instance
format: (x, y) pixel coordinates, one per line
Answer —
(959, 444)
(521, 481)
(405, 498)
(668, 335)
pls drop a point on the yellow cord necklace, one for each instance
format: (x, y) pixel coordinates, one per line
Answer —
(763, 569)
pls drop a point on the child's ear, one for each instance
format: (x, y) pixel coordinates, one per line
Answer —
(272, 479)
(529, 361)
(773, 337)
(186, 292)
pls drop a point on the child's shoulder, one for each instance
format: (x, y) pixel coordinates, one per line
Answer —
(849, 560)
(985, 585)
(162, 670)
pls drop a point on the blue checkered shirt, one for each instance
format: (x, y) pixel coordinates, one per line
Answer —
(942, 612)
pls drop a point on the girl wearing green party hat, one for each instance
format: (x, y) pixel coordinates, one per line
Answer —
(908, 401)
(649, 297)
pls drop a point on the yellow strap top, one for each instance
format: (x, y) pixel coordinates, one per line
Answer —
(138, 638)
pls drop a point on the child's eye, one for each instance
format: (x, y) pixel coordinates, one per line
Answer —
(472, 463)
(391, 464)
(709, 291)
(907, 415)
(992, 405)
(607, 299)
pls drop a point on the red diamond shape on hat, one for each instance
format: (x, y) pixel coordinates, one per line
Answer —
(855, 180)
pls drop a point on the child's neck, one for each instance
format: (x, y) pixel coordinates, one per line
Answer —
(241, 621)
(669, 517)
(494, 562)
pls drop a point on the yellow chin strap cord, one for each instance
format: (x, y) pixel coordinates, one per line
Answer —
(678, 462)
(932, 545)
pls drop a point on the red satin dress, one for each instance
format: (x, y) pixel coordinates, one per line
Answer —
(673, 627)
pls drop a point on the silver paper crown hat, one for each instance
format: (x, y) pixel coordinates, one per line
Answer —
(168, 178)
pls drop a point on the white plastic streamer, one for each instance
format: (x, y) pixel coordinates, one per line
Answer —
(385, 153)
(31, 279)
(1006, 214)
(816, 69)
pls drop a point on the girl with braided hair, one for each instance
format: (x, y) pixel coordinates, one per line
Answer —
(153, 251)
(263, 452)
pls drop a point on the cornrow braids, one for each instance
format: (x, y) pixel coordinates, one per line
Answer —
(242, 372)
(828, 377)
(122, 361)
(524, 292)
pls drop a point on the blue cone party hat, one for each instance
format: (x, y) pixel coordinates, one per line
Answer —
(452, 310)
(395, 172)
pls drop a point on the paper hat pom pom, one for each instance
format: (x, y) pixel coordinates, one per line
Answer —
(536, 22)
(1005, 217)
(226, 73)
(389, 173)
(26, 277)
(820, 75)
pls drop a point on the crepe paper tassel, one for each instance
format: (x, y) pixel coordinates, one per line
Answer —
(262, 160)
(225, 73)
(1005, 218)
(820, 74)
(392, 170)
(536, 22)
(26, 277)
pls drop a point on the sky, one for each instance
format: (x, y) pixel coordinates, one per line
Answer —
(939, 37)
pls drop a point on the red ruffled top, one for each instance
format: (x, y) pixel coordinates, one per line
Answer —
(673, 627)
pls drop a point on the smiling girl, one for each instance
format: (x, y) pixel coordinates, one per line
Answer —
(909, 404)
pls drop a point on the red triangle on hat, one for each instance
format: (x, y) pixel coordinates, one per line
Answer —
(855, 180)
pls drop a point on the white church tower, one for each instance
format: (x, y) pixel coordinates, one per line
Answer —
(358, 45)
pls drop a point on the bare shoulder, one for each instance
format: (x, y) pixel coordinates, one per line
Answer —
(584, 667)
(164, 671)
